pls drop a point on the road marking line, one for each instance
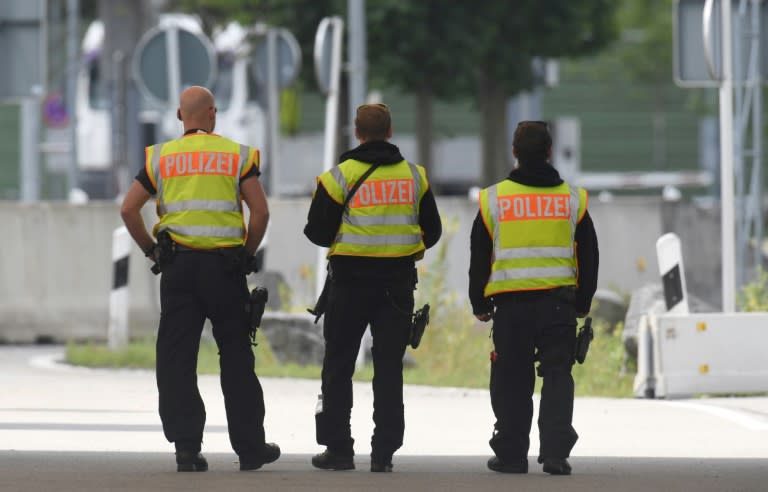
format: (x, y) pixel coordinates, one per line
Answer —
(739, 417)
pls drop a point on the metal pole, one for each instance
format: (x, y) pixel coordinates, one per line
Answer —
(174, 67)
(29, 145)
(726, 164)
(73, 9)
(741, 222)
(273, 103)
(120, 165)
(358, 68)
(757, 138)
(331, 126)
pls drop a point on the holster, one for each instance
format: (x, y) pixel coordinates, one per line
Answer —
(419, 323)
(167, 251)
(255, 309)
(583, 339)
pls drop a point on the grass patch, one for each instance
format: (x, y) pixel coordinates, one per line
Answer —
(451, 354)
(454, 352)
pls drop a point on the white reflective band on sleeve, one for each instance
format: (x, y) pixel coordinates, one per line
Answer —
(532, 273)
(378, 240)
(373, 220)
(340, 179)
(210, 231)
(214, 205)
(537, 252)
(493, 210)
(574, 209)
(417, 191)
(245, 152)
(156, 174)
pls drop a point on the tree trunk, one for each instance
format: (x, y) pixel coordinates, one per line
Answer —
(424, 127)
(493, 110)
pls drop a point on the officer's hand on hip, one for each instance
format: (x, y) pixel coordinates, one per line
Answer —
(484, 316)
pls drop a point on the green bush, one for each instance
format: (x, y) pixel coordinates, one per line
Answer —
(754, 296)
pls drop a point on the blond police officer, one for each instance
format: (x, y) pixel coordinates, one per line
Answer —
(533, 270)
(199, 182)
(374, 238)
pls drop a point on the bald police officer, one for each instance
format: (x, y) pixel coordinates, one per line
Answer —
(199, 181)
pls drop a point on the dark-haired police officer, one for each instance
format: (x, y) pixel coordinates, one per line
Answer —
(374, 242)
(533, 270)
(199, 181)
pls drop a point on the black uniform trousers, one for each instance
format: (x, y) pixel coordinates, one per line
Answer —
(351, 307)
(193, 287)
(532, 327)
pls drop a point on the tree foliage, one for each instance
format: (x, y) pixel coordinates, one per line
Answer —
(508, 35)
(413, 44)
(446, 49)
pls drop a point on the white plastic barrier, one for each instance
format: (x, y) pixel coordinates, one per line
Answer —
(669, 254)
(704, 353)
(645, 382)
(117, 332)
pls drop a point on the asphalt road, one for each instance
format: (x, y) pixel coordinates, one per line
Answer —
(64, 428)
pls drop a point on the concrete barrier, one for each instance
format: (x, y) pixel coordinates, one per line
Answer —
(56, 265)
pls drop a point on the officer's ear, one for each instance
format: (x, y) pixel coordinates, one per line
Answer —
(178, 114)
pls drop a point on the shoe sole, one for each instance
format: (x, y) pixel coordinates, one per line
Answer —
(255, 466)
(518, 471)
(191, 468)
(341, 467)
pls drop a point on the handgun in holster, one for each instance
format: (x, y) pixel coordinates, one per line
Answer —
(257, 301)
(583, 340)
(419, 322)
(167, 250)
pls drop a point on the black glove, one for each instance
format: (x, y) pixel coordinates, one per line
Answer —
(153, 253)
(246, 262)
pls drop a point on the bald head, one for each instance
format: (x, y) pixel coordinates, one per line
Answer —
(197, 109)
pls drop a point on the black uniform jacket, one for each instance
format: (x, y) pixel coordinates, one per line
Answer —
(538, 174)
(324, 220)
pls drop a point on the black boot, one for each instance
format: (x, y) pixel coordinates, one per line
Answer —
(269, 454)
(381, 462)
(556, 466)
(381, 466)
(328, 460)
(190, 461)
(514, 466)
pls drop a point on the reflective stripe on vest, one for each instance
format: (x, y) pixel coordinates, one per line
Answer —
(211, 172)
(382, 219)
(531, 247)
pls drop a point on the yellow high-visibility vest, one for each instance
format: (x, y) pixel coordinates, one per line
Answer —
(533, 235)
(197, 178)
(382, 219)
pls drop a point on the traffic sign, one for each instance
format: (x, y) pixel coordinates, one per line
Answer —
(288, 59)
(328, 30)
(697, 37)
(170, 58)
